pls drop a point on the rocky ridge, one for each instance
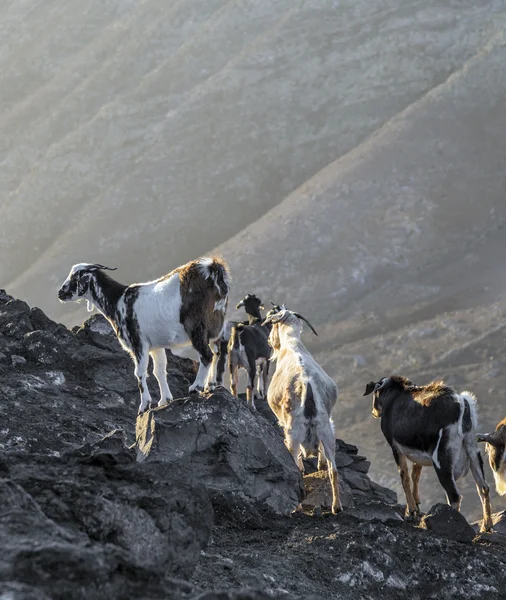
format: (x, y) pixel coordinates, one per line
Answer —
(193, 500)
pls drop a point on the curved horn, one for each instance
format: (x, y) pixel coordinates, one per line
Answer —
(486, 437)
(299, 316)
(98, 266)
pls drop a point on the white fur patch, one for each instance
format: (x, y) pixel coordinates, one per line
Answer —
(435, 458)
(220, 305)
(204, 265)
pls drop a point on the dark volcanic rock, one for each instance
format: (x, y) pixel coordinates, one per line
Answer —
(82, 518)
(97, 519)
(238, 456)
(448, 522)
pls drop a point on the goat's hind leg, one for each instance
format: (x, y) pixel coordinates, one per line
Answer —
(141, 360)
(199, 337)
(222, 358)
(481, 485)
(252, 369)
(328, 445)
(160, 372)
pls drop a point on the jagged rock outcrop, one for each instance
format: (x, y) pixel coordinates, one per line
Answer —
(237, 455)
(200, 504)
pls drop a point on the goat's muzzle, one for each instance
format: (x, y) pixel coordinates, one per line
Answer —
(62, 295)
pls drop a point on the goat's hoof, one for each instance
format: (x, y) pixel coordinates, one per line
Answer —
(197, 389)
(210, 387)
(163, 402)
(336, 509)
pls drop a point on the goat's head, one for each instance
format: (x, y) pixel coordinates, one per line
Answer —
(77, 284)
(251, 303)
(495, 445)
(287, 317)
(380, 388)
(275, 309)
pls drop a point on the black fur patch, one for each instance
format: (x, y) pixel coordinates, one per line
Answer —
(309, 404)
(413, 415)
(131, 325)
(480, 459)
(467, 423)
(107, 293)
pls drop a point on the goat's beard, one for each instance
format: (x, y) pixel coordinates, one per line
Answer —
(500, 480)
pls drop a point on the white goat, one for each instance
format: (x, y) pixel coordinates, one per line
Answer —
(187, 305)
(302, 397)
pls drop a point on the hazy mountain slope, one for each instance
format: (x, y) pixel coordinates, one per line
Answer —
(346, 158)
(396, 253)
(229, 107)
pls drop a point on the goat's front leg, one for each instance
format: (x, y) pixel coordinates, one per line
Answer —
(141, 367)
(416, 471)
(210, 385)
(199, 337)
(160, 372)
(294, 449)
(402, 465)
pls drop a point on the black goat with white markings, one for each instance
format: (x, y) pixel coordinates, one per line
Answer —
(252, 306)
(496, 450)
(186, 306)
(431, 425)
(248, 348)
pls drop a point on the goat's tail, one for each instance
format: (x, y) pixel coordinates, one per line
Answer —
(215, 268)
(310, 444)
(235, 337)
(468, 420)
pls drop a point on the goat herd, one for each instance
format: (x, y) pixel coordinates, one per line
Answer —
(430, 425)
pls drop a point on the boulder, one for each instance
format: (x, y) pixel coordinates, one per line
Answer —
(236, 454)
(93, 523)
(448, 522)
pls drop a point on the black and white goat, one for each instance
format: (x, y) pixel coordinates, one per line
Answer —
(249, 349)
(496, 450)
(252, 306)
(302, 397)
(431, 425)
(187, 305)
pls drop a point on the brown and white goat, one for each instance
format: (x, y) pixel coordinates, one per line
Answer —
(186, 306)
(496, 450)
(302, 397)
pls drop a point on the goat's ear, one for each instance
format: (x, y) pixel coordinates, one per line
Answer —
(83, 283)
(487, 437)
(369, 388)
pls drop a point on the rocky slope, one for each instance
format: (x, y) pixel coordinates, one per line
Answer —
(192, 501)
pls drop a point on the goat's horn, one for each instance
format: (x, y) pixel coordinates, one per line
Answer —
(299, 316)
(97, 266)
(486, 437)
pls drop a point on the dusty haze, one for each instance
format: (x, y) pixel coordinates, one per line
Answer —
(347, 158)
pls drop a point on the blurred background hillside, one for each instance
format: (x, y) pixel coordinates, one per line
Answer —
(347, 158)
